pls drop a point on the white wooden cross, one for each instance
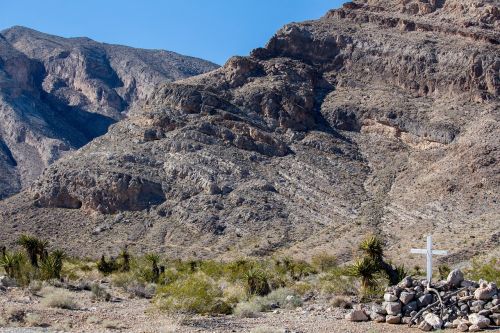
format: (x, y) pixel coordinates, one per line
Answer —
(429, 252)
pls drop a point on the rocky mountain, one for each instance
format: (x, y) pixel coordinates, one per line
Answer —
(57, 94)
(382, 116)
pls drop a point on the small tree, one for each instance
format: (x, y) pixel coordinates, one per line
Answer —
(125, 260)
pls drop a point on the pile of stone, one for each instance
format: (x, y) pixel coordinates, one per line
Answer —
(455, 303)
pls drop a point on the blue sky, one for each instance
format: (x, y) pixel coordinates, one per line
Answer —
(209, 29)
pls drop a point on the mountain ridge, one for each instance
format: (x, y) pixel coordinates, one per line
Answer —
(60, 93)
(381, 117)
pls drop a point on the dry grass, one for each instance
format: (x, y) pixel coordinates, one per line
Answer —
(58, 298)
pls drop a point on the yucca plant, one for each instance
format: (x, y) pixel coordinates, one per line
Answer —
(373, 247)
(11, 263)
(153, 260)
(365, 269)
(34, 247)
(257, 283)
(125, 260)
(51, 265)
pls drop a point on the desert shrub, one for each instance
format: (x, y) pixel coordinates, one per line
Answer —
(195, 293)
(58, 298)
(338, 282)
(34, 320)
(35, 286)
(443, 270)
(141, 289)
(234, 293)
(280, 298)
(489, 271)
(341, 302)
(256, 282)
(302, 287)
(283, 298)
(248, 309)
(15, 315)
(324, 261)
(99, 293)
(107, 267)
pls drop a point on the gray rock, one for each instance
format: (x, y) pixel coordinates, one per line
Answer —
(376, 308)
(480, 321)
(393, 308)
(405, 297)
(425, 326)
(390, 297)
(455, 278)
(410, 307)
(433, 320)
(474, 328)
(357, 315)
(462, 327)
(495, 318)
(390, 319)
(407, 282)
(424, 300)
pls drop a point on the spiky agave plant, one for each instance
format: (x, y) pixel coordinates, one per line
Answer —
(365, 269)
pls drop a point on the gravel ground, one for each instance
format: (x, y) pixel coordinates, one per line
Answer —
(137, 315)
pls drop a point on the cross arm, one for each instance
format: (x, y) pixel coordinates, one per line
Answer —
(419, 251)
(440, 252)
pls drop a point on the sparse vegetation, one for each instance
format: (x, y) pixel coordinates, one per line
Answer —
(58, 298)
(489, 271)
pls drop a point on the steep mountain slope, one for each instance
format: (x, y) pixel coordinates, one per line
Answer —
(382, 116)
(57, 94)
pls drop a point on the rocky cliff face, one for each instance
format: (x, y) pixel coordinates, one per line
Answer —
(57, 94)
(382, 117)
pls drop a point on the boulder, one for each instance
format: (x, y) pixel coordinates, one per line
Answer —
(7, 282)
(462, 327)
(376, 308)
(393, 308)
(480, 321)
(433, 320)
(410, 307)
(424, 300)
(495, 318)
(474, 328)
(425, 326)
(455, 278)
(485, 291)
(407, 282)
(406, 297)
(357, 315)
(390, 319)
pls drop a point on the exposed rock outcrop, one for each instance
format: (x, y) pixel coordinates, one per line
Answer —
(57, 94)
(372, 118)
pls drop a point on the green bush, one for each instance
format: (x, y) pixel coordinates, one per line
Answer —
(443, 270)
(489, 271)
(99, 293)
(195, 293)
(338, 282)
(257, 284)
(324, 261)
